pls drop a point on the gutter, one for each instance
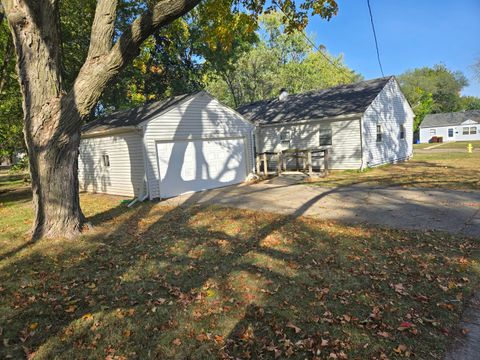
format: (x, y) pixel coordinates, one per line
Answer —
(111, 131)
(331, 118)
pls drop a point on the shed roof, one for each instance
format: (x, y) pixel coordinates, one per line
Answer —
(135, 116)
(326, 103)
(450, 119)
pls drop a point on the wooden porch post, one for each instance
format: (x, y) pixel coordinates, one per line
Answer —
(297, 163)
(279, 162)
(265, 164)
(326, 162)
(257, 158)
(309, 160)
(304, 159)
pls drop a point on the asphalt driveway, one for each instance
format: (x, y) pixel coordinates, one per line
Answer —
(454, 211)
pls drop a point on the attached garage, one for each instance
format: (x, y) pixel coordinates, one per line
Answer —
(184, 144)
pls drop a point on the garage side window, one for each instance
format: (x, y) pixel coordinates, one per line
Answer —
(379, 133)
(465, 130)
(325, 135)
(433, 132)
(450, 132)
(402, 132)
(473, 130)
(105, 161)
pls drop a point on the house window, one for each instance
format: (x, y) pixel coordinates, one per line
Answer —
(105, 160)
(433, 132)
(402, 132)
(286, 136)
(473, 130)
(379, 133)
(325, 135)
(465, 130)
(450, 132)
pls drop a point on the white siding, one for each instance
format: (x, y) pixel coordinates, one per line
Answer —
(345, 151)
(201, 117)
(390, 109)
(426, 135)
(439, 131)
(125, 174)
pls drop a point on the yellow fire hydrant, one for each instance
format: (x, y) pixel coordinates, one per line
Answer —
(470, 148)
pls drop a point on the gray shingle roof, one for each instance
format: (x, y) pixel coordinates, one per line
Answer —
(133, 117)
(339, 100)
(449, 119)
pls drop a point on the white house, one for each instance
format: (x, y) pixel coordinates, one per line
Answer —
(184, 144)
(455, 126)
(368, 123)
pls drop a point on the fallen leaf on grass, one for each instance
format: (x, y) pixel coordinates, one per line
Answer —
(87, 316)
(400, 289)
(383, 334)
(404, 325)
(400, 349)
(177, 342)
(71, 309)
(295, 328)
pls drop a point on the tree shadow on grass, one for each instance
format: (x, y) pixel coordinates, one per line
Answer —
(207, 282)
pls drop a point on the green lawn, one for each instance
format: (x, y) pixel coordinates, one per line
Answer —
(461, 145)
(450, 145)
(209, 282)
(432, 169)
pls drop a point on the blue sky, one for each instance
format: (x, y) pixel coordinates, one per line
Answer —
(411, 33)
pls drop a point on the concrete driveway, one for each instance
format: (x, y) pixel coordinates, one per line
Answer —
(454, 211)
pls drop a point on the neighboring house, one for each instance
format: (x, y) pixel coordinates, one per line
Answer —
(184, 144)
(456, 126)
(364, 124)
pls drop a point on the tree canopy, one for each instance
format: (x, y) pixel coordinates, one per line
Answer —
(279, 59)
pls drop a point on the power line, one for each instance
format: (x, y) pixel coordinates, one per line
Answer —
(315, 46)
(375, 36)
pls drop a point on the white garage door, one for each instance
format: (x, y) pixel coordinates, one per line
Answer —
(194, 165)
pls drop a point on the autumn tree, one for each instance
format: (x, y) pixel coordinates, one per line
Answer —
(54, 109)
(281, 58)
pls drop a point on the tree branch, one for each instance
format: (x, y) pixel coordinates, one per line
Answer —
(102, 28)
(163, 13)
(95, 76)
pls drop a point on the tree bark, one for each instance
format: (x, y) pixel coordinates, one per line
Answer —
(52, 116)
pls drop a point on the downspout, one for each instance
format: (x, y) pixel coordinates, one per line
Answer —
(145, 188)
(253, 137)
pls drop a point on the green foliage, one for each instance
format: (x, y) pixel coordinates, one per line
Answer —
(444, 85)
(470, 103)
(280, 59)
(11, 137)
(20, 166)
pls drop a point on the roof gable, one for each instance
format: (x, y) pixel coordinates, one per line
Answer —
(136, 116)
(469, 122)
(337, 101)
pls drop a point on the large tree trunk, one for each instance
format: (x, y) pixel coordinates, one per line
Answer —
(52, 116)
(51, 137)
(54, 171)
